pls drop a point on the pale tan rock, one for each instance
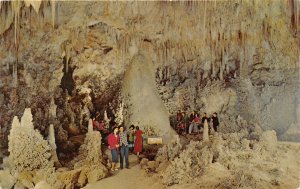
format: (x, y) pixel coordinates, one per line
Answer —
(51, 140)
(205, 131)
(43, 185)
(28, 150)
(144, 163)
(151, 165)
(7, 181)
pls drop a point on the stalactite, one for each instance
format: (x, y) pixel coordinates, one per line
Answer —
(222, 56)
(204, 21)
(16, 11)
(53, 8)
(242, 30)
(36, 4)
(297, 16)
(293, 8)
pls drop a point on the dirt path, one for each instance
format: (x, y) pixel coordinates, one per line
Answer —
(133, 178)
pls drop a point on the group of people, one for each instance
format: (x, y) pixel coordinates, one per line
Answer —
(124, 141)
(121, 141)
(102, 128)
(194, 123)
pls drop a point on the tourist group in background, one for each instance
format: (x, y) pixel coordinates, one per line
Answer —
(194, 122)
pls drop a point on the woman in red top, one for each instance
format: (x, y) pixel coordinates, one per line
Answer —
(113, 142)
(138, 144)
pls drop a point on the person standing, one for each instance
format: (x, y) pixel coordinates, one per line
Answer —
(194, 125)
(113, 142)
(138, 144)
(204, 118)
(215, 121)
(178, 116)
(192, 117)
(131, 138)
(185, 119)
(197, 123)
(123, 147)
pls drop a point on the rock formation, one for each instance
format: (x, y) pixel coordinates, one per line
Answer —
(245, 53)
(67, 60)
(31, 159)
(28, 150)
(145, 108)
(51, 141)
(229, 161)
(90, 163)
(205, 131)
(29, 154)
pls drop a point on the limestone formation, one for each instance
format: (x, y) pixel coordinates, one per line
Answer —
(68, 60)
(225, 161)
(28, 150)
(205, 131)
(119, 114)
(206, 73)
(7, 181)
(51, 141)
(144, 104)
(106, 120)
(52, 109)
(89, 163)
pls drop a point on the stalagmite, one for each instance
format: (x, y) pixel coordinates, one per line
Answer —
(139, 85)
(51, 141)
(26, 120)
(106, 120)
(90, 126)
(28, 150)
(51, 137)
(16, 123)
(119, 114)
(52, 109)
(205, 131)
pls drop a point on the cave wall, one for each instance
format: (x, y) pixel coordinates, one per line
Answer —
(233, 57)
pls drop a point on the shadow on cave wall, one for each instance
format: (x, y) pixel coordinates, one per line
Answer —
(67, 81)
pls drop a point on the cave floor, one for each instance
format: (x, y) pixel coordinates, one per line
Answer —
(133, 178)
(136, 178)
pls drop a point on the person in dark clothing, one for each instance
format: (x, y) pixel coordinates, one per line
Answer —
(178, 116)
(131, 138)
(215, 121)
(204, 117)
(191, 120)
(192, 116)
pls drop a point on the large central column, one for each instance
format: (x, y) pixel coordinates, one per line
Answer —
(145, 107)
